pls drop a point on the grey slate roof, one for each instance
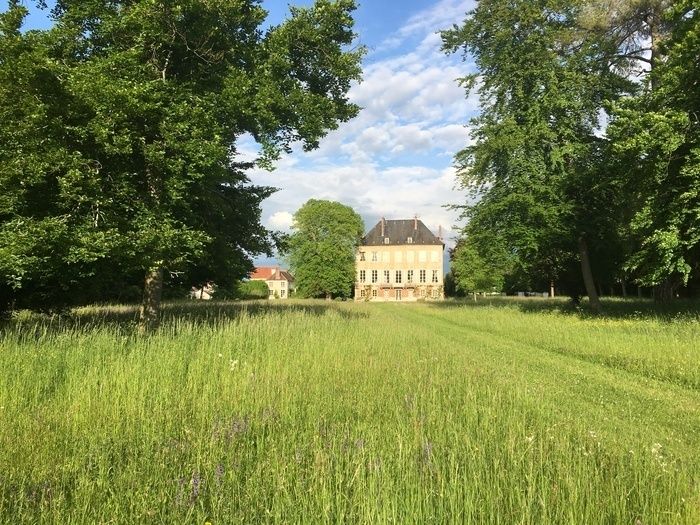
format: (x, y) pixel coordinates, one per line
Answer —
(398, 232)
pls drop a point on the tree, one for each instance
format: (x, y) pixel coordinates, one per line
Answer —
(656, 138)
(121, 123)
(472, 272)
(542, 86)
(253, 290)
(322, 248)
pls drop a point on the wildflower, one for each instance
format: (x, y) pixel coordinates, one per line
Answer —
(529, 439)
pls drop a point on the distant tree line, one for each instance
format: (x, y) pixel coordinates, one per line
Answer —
(584, 164)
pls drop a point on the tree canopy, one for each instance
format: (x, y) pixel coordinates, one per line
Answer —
(553, 185)
(322, 248)
(118, 133)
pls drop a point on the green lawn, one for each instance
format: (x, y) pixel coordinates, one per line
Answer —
(315, 412)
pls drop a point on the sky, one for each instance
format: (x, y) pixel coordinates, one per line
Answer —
(395, 158)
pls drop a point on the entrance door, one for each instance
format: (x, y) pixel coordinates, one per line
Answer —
(398, 294)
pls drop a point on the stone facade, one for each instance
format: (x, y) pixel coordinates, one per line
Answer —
(279, 282)
(399, 260)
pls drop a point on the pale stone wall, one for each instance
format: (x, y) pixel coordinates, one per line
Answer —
(404, 264)
(279, 289)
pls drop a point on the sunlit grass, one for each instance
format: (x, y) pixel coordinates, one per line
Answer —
(351, 413)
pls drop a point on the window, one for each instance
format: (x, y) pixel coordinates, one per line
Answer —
(422, 292)
(374, 293)
(283, 284)
(398, 256)
(363, 276)
(422, 276)
(436, 294)
(434, 256)
(410, 256)
(282, 292)
(385, 257)
(398, 277)
(363, 293)
(386, 240)
(435, 276)
(409, 240)
(375, 276)
(374, 256)
(362, 256)
(422, 256)
(409, 276)
(386, 276)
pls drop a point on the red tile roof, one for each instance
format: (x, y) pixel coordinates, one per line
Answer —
(271, 273)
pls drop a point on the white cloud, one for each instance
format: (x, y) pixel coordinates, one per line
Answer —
(280, 220)
(440, 16)
(395, 158)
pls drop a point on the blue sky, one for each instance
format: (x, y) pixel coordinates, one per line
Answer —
(395, 158)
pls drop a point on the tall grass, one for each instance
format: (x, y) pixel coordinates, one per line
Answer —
(316, 413)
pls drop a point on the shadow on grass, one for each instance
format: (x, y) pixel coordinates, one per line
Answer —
(124, 317)
(612, 307)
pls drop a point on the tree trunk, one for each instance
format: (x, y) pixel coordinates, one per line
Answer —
(624, 288)
(665, 292)
(588, 275)
(551, 289)
(150, 307)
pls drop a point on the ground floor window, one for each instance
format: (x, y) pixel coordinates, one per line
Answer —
(374, 293)
(363, 293)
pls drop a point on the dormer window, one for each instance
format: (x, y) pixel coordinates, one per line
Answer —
(386, 240)
(409, 240)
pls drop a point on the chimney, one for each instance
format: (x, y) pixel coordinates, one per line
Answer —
(383, 221)
(415, 222)
(440, 232)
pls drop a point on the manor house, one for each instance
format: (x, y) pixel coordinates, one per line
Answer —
(399, 260)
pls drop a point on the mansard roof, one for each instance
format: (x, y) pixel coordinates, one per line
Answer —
(399, 232)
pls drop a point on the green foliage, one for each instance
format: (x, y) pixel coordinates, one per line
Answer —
(118, 127)
(541, 90)
(474, 273)
(658, 136)
(500, 411)
(253, 290)
(540, 172)
(322, 248)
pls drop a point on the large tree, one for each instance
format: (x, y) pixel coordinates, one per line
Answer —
(322, 248)
(656, 142)
(119, 129)
(531, 162)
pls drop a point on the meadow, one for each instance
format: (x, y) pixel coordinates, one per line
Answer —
(500, 411)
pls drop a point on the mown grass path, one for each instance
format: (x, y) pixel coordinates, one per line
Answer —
(351, 413)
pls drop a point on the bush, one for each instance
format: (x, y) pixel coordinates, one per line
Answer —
(253, 290)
